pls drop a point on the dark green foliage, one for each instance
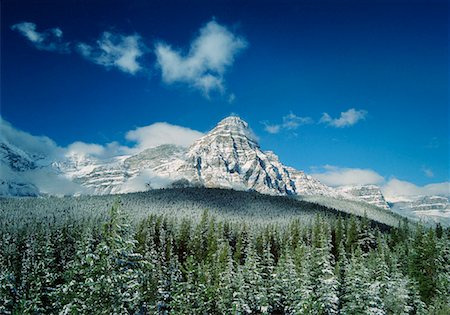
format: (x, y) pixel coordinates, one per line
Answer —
(107, 263)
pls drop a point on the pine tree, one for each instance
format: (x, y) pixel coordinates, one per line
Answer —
(326, 284)
(251, 295)
(227, 275)
(104, 277)
(285, 286)
(361, 294)
(303, 303)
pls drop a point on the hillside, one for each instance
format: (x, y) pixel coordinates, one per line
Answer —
(251, 207)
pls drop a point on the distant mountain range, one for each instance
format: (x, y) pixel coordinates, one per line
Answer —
(228, 156)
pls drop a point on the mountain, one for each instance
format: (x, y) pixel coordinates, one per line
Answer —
(16, 159)
(368, 193)
(228, 156)
(14, 164)
(425, 208)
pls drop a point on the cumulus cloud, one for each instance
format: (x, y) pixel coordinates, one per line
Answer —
(206, 62)
(290, 122)
(41, 150)
(40, 147)
(50, 39)
(273, 129)
(347, 118)
(162, 133)
(45, 151)
(202, 67)
(115, 51)
(143, 138)
(99, 151)
(395, 188)
(341, 176)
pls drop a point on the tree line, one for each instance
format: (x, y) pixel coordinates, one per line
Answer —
(166, 264)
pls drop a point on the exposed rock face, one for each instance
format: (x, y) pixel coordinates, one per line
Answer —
(13, 164)
(16, 159)
(367, 193)
(429, 203)
(427, 208)
(229, 156)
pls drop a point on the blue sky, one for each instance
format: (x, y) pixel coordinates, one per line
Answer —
(329, 86)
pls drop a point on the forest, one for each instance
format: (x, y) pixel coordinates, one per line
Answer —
(96, 256)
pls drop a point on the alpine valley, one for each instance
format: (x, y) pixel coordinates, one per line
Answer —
(228, 156)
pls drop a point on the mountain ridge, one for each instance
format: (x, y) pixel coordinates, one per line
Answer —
(228, 156)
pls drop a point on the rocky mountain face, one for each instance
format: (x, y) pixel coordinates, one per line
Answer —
(14, 163)
(368, 193)
(228, 156)
(427, 208)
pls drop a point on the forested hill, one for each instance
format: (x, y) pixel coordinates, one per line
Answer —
(251, 207)
(162, 253)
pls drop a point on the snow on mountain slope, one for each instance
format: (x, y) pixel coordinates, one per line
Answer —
(119, 174)
(229, 156)
(15, 158)
(426, 208)
(13, 164)
(367, 193)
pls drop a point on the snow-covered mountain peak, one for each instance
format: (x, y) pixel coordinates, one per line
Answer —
(230, 128)
(233, 121)
(228, 156)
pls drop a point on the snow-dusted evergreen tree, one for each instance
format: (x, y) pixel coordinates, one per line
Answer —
(226, 279)
(303, 303)
(104, 277)
(8, 291)
(38, 277)
(186, 297)
(285, 286)
(189, 262)
(325, 289)
(361, 294)
(251, 294)
(169, 273)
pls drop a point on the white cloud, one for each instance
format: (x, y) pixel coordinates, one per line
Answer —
(339, 176)
(83, 148)
(162, 133)
(395, 188)
(273, 129)
(146, 180)
(106, 151)
(290, 122)
(204, 66)
(37, 146)
(50, 39)
(115, 50)
(49, 181)
(347, 118)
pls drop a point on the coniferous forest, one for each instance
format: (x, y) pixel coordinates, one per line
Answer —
(61, 262)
